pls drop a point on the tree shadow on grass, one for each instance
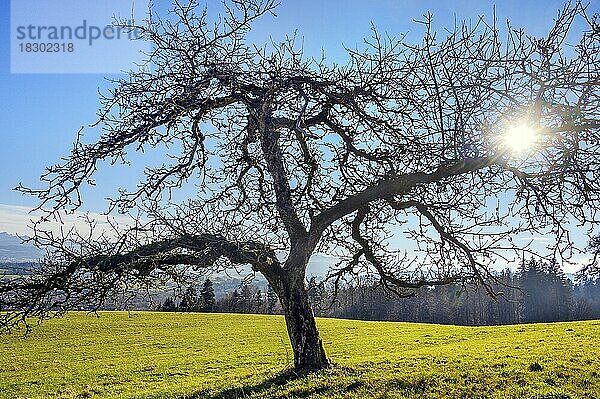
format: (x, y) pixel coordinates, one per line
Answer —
(271, 385)
(277, 381)
(335, 381)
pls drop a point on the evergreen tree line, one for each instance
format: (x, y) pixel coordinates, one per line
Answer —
(247, 299)
(537, 292)
(192, 300)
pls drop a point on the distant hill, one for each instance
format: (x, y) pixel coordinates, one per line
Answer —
(12, 249)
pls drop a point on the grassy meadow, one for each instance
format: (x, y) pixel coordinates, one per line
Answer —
(218, 356)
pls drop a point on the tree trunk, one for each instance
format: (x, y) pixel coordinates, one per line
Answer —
(289, 284)
(302, 329)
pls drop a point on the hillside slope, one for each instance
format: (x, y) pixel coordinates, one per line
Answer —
(12, 249)
(218, 356)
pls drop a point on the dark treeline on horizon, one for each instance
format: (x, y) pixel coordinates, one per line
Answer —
(536, 292)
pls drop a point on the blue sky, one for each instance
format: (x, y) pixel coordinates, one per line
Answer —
(40, 114)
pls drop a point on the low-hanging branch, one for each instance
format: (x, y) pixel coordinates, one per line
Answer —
(54, 283)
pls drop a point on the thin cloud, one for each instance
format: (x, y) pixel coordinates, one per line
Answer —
(536, 238)
(17, 219)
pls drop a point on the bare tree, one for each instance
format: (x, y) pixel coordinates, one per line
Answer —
(592, 268)
(290, 155)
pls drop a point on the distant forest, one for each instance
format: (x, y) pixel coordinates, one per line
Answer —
(537, 292)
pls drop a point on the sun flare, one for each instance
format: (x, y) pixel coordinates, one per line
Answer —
(519, 138)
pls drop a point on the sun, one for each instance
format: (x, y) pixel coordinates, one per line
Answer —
(519, 138)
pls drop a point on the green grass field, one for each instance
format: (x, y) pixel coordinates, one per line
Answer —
(218, 356)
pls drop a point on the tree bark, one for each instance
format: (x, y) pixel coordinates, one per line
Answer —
(289, 285)
(302, 329)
